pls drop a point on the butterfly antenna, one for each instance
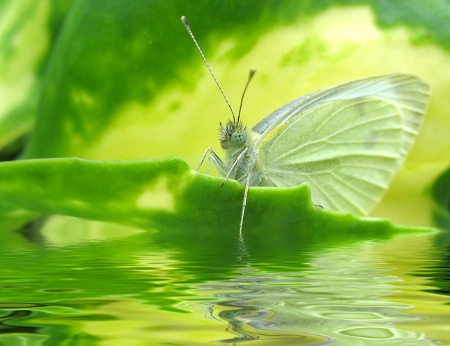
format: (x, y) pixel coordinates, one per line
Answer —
(188, 28)
(250, 76)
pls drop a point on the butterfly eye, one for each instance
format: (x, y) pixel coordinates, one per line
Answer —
(238, 138)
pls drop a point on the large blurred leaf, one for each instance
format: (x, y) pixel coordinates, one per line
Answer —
(27, 33)
(441, 193)
(124, 80)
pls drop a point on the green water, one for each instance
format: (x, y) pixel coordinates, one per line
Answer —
(108, 288)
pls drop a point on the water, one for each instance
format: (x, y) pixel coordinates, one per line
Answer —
(113, 288)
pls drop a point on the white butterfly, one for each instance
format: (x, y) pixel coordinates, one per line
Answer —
(347, 142)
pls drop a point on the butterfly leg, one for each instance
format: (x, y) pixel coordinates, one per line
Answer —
(207, 151)
(239, 158)
(244, 204)
(212, 157)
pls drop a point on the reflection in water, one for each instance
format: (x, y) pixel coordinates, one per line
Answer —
(339, 299)
(149, 290)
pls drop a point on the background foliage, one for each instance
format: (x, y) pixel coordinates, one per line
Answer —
(121, 80)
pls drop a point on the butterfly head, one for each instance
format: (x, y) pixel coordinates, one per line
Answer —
(233, 135)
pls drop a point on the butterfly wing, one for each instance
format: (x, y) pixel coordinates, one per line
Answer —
(408, 93)
(347, 142)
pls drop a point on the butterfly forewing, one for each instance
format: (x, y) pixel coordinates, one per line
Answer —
(347, 142)
(409, 93)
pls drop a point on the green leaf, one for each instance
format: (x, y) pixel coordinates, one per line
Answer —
(27, 33)
(168, 196)
(441, 193)
(123, 80)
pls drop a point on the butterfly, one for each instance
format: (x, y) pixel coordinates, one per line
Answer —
(347, 142)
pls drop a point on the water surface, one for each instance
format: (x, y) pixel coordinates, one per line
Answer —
(108, 288)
